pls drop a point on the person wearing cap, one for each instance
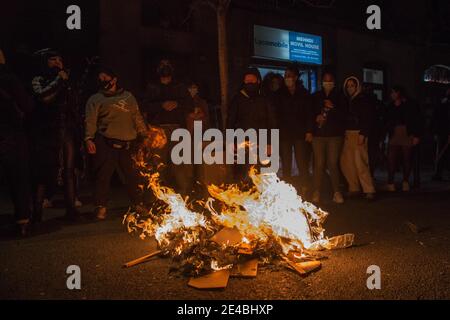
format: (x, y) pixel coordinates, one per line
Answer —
(113, 124)
(168, 105)
(16, 106)
(358, 125)
(55, 124)
(250, 109)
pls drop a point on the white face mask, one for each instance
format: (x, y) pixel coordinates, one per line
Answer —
(328, 86)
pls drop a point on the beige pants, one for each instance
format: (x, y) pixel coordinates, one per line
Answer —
(355, 164)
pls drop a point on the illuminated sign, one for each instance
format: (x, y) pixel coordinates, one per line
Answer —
(287, 45)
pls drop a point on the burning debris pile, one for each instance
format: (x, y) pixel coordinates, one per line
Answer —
(234, 230)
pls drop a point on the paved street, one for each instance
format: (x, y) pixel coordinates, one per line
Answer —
(413, 266)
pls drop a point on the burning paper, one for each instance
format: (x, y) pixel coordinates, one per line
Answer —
(269, 221)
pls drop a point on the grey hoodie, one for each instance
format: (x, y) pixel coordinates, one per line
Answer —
(114, 116)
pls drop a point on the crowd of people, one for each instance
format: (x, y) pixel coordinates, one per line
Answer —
(47, 132)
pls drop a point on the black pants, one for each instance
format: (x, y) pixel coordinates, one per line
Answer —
(106, 160)
(444, 161)
(397, 155)
(46, 170)
(302, 152)
(14, 161)
(180, 176)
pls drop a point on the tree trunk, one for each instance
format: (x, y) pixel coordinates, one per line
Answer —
(223, 56)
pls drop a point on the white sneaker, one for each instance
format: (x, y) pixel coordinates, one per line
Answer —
(78, 203)
(405, 186)
(390, 187)
(338, 198)
(316, 197)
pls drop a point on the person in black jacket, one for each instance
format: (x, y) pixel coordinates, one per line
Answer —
(168, 105)
(55, 125)
(15, 107)
(403, 125)
(294, 114)
(441, 130)
(358, 126)
(250, 109)
(327, 121)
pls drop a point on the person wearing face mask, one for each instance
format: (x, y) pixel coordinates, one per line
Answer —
(293, 113)
(271, 85)
(358, 125)
(113, 124)
(200, 112)
(250, 109)
(327, 122)
(55, 124)
(168, 104)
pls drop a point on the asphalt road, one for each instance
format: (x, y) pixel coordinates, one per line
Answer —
(413, 266)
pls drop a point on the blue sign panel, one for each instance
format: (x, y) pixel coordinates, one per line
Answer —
(305, 48)
(287, 45)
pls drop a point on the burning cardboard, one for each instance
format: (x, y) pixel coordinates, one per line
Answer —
(266, 222)
(247, 269)
(214, 280)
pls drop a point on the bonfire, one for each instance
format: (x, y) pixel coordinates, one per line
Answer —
(267, 223)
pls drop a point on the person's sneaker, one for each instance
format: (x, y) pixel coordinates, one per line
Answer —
(405, 186)
(390, 187)
(100, 212)
(316, 197)
(370, 196)
(78, 203)
(338, 198)
(47, 204)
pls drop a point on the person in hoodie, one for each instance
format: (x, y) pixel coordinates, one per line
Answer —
(55, 123)
(113, 124)
(358, 125)
(168, 104)
(327, 121)
(16, 107)
(293, 113)
(250, 109)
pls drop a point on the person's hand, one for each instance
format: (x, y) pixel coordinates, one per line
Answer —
(320, 119)
(415, 141)
(90, 147)
(169, 105)
(309, 137)
(328, 104)
(63, 75)
(361, 140)
(197, 115)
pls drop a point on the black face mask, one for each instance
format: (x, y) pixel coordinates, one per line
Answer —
(105, 85)
(165, 71)
(251, 88)
(54, 71)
